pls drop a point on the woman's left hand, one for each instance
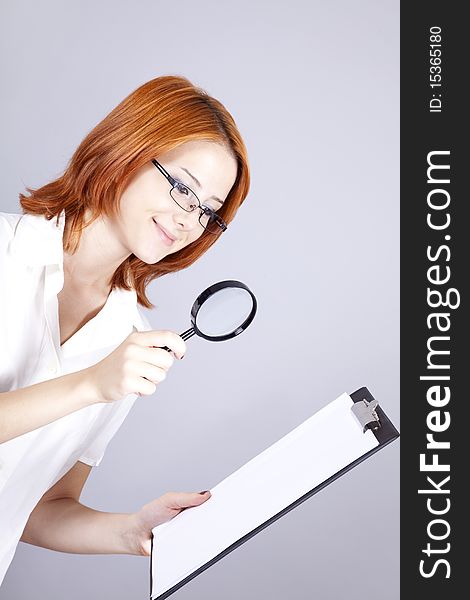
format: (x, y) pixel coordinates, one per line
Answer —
(159, 511)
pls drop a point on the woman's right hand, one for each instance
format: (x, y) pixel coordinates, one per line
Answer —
(136, 366)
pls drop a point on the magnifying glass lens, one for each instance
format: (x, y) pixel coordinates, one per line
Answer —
(224, 311)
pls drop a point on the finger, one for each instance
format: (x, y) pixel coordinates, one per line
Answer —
(184, 499)
(156, 356)
(145, 387)
(152, 373)
(162, 338)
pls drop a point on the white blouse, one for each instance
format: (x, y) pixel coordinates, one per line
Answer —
(31, 276)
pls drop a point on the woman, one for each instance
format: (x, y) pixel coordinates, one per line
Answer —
(146, 193)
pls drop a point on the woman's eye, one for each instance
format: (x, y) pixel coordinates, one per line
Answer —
(182, 189)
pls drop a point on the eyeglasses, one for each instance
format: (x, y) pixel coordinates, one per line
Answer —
(186, 199)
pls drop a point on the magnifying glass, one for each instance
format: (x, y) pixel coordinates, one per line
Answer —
(221, 312)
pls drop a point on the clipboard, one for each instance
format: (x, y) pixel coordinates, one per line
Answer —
(365, 429)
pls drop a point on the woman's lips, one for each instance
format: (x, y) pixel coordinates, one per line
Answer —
(163, 235)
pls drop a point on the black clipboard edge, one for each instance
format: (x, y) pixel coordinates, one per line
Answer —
(384, 434)
(151, 576)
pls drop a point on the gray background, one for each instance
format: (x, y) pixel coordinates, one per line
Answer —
(314, 88)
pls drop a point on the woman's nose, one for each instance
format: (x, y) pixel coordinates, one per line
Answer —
(188, 220)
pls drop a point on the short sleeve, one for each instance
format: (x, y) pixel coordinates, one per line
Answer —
(9, 290)
(7, 225)
(94, 453)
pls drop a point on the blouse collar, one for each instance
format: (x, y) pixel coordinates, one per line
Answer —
(38, 242)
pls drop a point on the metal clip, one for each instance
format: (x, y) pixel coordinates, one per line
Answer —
(366, 414)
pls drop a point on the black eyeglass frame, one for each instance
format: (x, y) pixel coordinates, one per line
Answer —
(206, 210)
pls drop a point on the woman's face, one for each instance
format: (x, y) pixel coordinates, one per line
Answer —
(151, 225)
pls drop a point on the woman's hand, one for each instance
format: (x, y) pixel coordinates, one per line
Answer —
(160, 511)
(136, 366)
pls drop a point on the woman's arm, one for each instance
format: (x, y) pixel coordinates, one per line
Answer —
(65, 525)
(137, 365)
(59, 522)
(31, 407)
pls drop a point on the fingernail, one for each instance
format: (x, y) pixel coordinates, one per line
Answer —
(204, 492)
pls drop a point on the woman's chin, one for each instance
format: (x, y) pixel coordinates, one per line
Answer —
(152, 257)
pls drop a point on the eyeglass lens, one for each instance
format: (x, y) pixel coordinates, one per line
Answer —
(186, 199)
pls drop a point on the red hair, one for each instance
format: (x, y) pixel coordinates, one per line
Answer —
(158, 116)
